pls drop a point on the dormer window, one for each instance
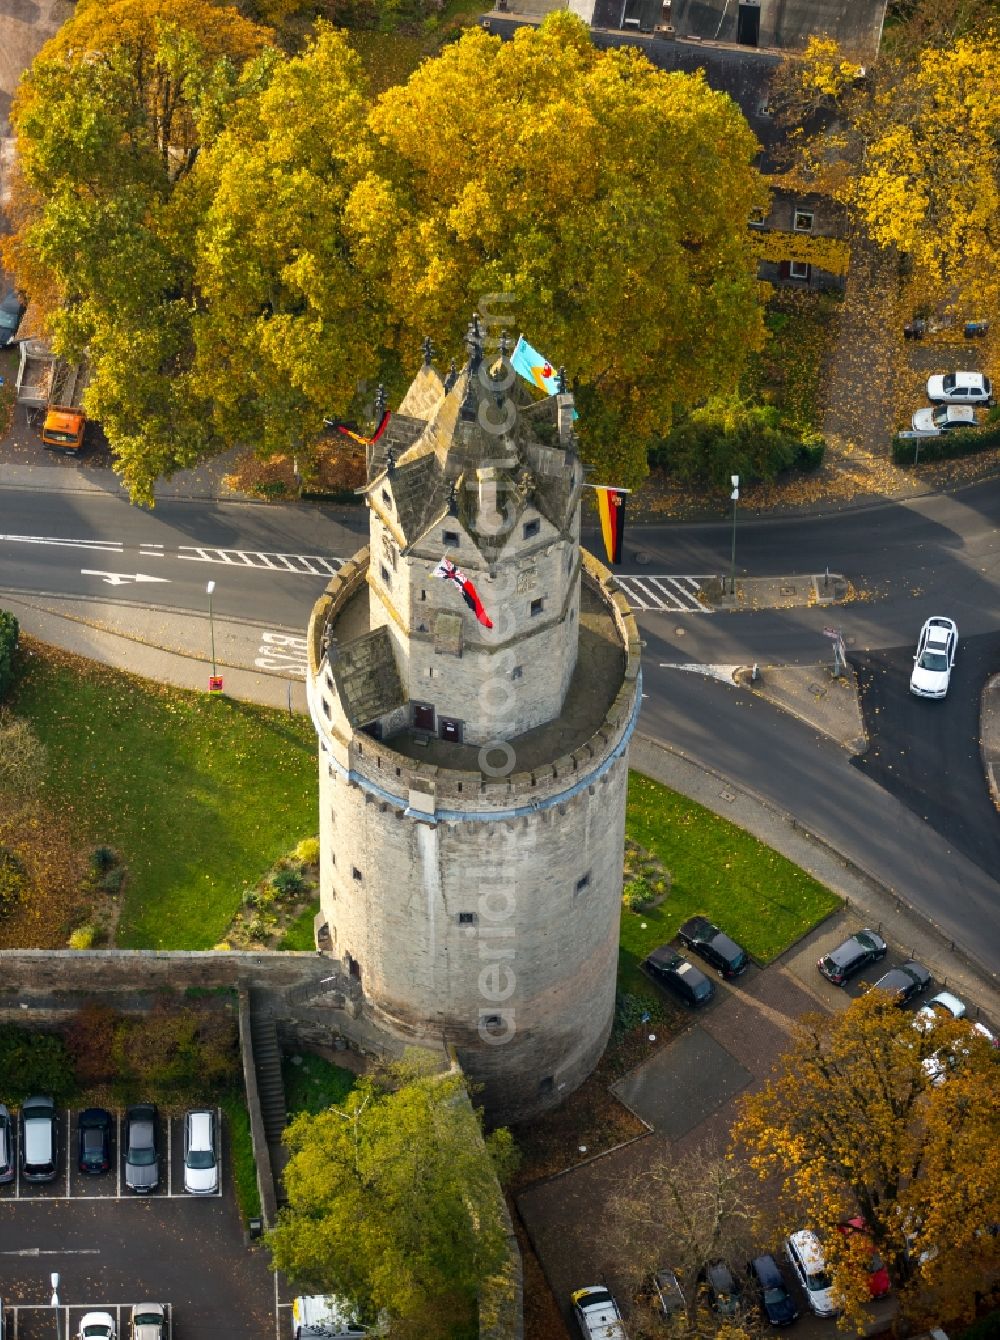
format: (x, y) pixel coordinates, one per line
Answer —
(451, 538)
(803, 222)
(531, 528)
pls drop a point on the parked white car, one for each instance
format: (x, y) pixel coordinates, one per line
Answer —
(934, 658)
(201, 1159)
(960, 388)
(97, 1326)
(943, 419)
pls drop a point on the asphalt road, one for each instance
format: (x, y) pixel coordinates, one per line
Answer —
(907, 560)
(926, 754)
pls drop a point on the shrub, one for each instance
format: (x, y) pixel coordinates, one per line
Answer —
(13, 881)
(288, 882)
(23, 757)
(730, 437)
(945, 446)
(9, 630)
(307, 851)
(32, 1063)
(631, 1011)
(102, 859)
(90, 1038)
(83, 937)
(637, 894)
(111, 882)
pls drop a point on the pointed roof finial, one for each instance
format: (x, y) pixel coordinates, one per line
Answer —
(561, 381)
(452, 376)
(428, 350)
(474, 343)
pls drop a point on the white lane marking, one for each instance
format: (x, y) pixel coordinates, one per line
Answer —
(113, 546)
(723, 672)
(304, 565)
(121, 578)
(53, 1251)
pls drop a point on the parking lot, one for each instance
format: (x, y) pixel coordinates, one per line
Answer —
(71, 1184)
(40, 1322)
(687, 1091)
(112, 1248)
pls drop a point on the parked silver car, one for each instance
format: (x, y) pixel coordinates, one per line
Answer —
(201, 1159)
(149, 1322)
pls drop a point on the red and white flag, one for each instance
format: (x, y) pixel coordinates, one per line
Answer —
(447, 571)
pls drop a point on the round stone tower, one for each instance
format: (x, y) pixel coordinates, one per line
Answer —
(474, 682)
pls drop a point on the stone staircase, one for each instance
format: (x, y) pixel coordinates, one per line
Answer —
(267, 1064)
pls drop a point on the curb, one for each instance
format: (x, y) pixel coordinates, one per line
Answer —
(857, 744)
(989, 751)
(864, 876)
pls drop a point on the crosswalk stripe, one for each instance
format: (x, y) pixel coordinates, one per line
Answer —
(303, 565)
(675, 594)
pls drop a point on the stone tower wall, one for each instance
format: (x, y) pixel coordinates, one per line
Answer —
(484, 910)
(519, 672)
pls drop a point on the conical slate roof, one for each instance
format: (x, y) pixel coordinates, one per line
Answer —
(476, 427)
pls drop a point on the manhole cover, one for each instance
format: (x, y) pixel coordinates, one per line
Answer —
(788, 590)
(678, 632)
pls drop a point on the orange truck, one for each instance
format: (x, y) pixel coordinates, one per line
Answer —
(48, 385)
(64, 429)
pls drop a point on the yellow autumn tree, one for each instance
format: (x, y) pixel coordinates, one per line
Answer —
(855, 1122)
(911, 147)
(606, 199)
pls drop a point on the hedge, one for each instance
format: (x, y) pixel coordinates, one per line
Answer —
(9, 630)
(945, 445)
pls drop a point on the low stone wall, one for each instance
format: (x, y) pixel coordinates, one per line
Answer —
(261, 1153)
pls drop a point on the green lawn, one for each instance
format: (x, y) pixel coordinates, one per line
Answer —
(755, 894)
(299, 933)
(789, 371)
(198, 795)
(313, 1084)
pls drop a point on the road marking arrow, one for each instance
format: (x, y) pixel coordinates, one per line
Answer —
(120, 578)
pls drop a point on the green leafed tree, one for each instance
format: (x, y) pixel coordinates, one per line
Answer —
(868, 1115)
(393, 1204)
(110, 121)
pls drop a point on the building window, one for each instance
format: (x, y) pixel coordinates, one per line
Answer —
(492, 1021)
(517, 672)
(326, 709)
(466, 918)
(386, 497)
(423, 595)
(356, 873)
(799, 270)
(333, 858)
(385, 575)
(451, 730)
(583, 882)
(756, 219)
(537, 606)
(803, 222)
(546, 1086)
(531, 529)
(451, 538)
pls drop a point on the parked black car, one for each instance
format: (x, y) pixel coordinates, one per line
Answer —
(682, 977)
(904, 982)
(724, 1294)
(93, 1127)
(6, 1146)
(727, 957)
(769, 1285)
(142, 1154)
(850, 957)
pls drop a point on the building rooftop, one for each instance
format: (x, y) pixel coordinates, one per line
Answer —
(597, 680)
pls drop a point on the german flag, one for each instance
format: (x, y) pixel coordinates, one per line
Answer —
(611, 507)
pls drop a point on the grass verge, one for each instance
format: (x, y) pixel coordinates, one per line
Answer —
(313, 1084)
(757, 896)
(197, 794)
(299, 933)
(789, 372)
(233, 1104)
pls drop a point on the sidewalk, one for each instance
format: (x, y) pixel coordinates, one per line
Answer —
(156, 644)
(989, 735)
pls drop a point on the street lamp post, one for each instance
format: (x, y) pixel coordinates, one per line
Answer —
(211, 623)
(735, 495)
(54, 1278)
